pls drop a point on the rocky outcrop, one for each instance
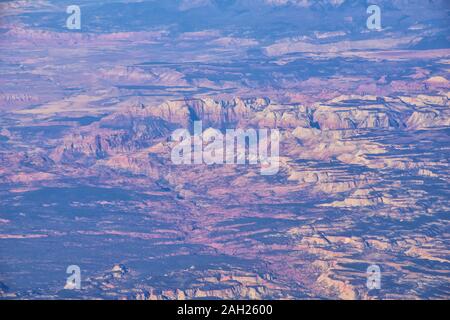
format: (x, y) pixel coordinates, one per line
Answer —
(218, 114)
(117, 133)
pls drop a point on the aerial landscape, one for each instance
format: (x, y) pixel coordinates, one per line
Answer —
(342, 110)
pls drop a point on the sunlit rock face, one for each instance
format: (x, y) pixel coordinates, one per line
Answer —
(86, 138)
